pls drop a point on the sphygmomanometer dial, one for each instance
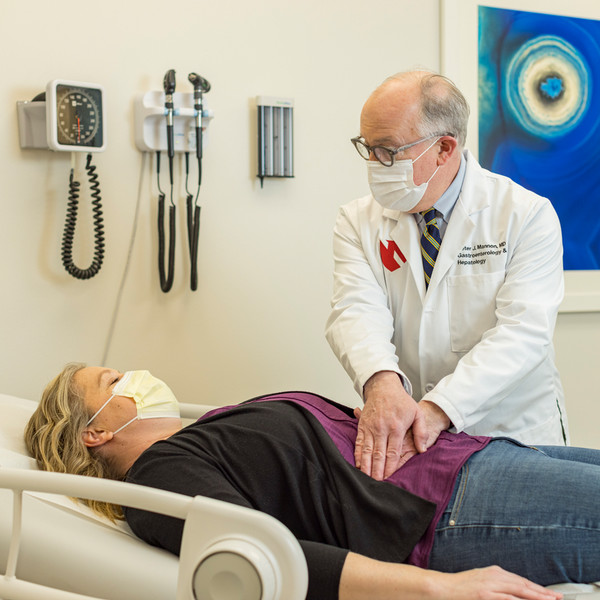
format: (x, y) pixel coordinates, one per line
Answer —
(78, 116)
(76, 120)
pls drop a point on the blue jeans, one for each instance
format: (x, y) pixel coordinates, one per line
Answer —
(532, 511)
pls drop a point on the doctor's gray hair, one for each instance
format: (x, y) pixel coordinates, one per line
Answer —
(444, 109)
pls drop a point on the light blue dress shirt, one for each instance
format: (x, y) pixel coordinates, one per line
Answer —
(445, 205)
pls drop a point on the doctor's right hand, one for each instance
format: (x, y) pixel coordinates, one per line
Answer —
(382, 445)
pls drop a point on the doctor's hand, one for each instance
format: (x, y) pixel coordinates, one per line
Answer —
(389, 412)
(436, 421)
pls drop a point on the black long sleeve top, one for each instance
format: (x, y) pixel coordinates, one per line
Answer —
(277, 458)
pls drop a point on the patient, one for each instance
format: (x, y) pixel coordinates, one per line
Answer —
(431, 530)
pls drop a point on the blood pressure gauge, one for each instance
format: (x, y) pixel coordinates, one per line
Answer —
(75, 116)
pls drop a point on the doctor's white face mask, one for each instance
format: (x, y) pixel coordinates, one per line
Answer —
(153, 398)
(394, 187)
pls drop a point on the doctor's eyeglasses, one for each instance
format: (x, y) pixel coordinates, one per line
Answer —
(386, 155)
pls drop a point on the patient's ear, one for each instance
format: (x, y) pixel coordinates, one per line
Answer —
(93, 438)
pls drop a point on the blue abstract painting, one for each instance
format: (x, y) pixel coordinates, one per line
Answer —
(539, 116)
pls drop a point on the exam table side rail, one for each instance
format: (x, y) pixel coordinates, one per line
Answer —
(195, 411)
(211, 526)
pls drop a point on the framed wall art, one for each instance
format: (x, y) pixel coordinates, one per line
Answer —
(530, 70)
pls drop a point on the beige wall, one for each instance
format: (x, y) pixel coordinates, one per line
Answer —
(256, 323)
(577, 345)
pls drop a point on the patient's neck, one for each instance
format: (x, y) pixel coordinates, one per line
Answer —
(123, 450)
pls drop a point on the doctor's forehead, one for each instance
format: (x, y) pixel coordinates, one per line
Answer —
(389, 124)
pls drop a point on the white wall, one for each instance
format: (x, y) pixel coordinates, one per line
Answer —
(256, 323)
(578, 358)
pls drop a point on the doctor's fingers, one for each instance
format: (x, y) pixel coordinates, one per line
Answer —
(395, 461)
(370, 457)
(420, 432)
(399, 450)
(379, 453)
(387, 455)
(358, 448)
(379, 438)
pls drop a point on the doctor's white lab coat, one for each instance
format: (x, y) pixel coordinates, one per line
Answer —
(478, 342)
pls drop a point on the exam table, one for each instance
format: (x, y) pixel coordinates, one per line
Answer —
(56, 548)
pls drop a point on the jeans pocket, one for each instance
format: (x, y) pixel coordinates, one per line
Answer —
(456, 501)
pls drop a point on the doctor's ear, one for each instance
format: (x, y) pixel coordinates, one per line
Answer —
(92, 438)
(448, 149)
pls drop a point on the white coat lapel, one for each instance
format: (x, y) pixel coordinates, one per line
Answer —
(459, 229)
(472, 199)
(407, 237)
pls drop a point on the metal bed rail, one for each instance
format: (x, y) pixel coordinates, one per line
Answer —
(228, 552)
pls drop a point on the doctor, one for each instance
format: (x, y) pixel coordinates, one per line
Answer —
(455, 331)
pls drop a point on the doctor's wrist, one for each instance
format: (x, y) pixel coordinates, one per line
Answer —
(383, 379)
(436, 418)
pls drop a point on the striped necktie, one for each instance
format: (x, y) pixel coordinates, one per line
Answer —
(430, 242)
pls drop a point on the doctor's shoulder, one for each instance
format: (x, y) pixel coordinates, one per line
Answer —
(508, 196)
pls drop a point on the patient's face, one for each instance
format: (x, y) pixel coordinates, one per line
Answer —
(96, 384)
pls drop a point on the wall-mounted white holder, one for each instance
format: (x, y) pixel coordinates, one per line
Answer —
(32, 124)
(150, 122)
(275, 137)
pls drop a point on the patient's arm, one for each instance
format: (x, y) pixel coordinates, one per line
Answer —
(367, 579)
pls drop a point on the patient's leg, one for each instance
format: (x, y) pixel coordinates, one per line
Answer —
(528, 512)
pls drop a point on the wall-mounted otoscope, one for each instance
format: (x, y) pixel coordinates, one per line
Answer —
(201, 86)
(166, 280)
(186, 121)
(169, 87)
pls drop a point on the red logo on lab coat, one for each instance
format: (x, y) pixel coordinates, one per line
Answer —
(388, 255)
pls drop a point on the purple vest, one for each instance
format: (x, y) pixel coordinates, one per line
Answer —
(431, 475)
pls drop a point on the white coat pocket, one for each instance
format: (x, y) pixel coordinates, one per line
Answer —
(472, 307)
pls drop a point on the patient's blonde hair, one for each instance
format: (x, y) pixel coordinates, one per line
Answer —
(53, 436)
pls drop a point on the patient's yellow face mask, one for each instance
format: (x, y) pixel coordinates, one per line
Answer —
(153, 398)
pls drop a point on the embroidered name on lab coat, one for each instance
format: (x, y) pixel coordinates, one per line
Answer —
(477, 254)
(389, 254)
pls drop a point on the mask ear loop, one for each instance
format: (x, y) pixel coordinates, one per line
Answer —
(102, 408)
(123, 426)
(433, 175)
(426, 149)
(418, 157)
(99, 410)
